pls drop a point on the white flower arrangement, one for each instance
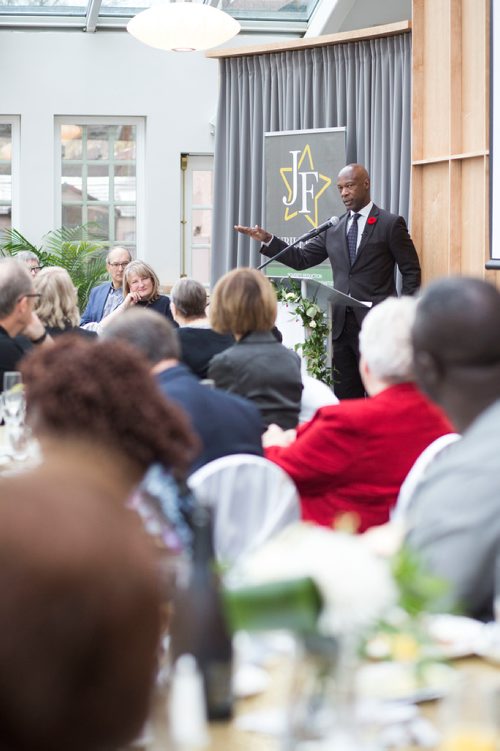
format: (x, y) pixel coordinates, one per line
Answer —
(356, 586)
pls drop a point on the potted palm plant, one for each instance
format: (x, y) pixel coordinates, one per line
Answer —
(73, 248)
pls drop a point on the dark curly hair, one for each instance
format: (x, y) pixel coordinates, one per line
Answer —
(102, 392)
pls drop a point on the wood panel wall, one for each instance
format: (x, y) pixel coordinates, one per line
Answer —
(450, 140)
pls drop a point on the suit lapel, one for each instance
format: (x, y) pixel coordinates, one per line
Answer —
(367, 232)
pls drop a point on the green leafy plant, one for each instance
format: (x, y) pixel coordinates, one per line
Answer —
(74, 249)
(419, 591)
(315, 322)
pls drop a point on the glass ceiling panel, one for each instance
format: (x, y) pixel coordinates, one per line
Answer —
(247, 11)
(243, 10)
(269, 10)
(43, 7)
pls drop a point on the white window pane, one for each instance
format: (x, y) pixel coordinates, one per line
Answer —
(125, 189)
(72, 216)
(202, 227)
(98, 183)
(202, 187)
(71, 182)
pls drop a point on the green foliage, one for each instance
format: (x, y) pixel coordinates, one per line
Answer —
(74, 249)
(419, 591)
(314, 320)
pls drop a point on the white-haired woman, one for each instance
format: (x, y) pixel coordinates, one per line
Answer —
(352, 457)
(57, 306)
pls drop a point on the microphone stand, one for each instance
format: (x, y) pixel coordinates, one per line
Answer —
(303, 238)
(280, 253)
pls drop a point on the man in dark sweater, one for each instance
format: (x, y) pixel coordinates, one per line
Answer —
(20, 327)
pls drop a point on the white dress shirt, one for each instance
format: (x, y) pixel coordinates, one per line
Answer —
(363, 216)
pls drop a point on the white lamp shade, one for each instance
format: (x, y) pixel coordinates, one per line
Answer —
(183, 26)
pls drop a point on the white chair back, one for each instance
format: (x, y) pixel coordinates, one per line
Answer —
(416, 473)
(252, 499)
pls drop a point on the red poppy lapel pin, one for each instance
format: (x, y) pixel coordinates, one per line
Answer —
(371, 220)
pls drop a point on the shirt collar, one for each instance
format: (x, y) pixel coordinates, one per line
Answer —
(365, 211)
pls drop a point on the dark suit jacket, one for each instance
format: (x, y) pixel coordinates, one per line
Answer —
(226, 423)
(384, 244)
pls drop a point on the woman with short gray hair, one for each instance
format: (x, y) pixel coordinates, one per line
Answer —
(199, 342)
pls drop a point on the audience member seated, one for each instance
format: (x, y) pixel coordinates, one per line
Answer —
(257, 366)
(57, 306)
(31, 260)
(226, 423)
(199, 343)
(20, 327)
(80, 615)
(455, 509)
(107, 296)
(101, 392)
(141, 288)
(352, 457)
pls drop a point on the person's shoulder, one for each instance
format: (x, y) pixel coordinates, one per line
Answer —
(233, 404)
(102, 285)
(386, 217)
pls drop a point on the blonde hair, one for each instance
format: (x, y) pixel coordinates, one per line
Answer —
(144, 271)
(243, 300)
(58, 303)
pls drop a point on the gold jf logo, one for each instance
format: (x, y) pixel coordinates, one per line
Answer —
(305, 185)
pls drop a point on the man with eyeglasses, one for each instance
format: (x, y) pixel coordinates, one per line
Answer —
(20, 327)
(107, 296)
(31, 260)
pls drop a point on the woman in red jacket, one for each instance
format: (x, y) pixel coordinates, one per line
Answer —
(352, 457)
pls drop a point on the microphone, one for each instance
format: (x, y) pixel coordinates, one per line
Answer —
(332, 222)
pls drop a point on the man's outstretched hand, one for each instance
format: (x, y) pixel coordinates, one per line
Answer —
(256, 233)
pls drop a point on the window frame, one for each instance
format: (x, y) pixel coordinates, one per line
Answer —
(196, 162)
(15, 122)
(140, 163)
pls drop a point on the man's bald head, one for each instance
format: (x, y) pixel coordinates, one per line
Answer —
(457, 346)
(353, 183)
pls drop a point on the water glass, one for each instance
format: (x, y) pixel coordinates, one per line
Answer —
(13, 406)
(470, 716)
(11, 379)
(19, 441)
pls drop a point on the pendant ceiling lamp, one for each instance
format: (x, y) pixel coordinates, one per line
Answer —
(183, 26)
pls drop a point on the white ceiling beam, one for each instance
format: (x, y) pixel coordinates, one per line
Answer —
(92, 15)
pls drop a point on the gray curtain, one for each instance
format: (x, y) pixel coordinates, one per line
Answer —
(365, 86)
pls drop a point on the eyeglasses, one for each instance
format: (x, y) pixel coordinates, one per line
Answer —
(121, 265)
(35, 269)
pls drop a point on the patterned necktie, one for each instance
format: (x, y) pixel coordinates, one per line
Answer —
(352, 238)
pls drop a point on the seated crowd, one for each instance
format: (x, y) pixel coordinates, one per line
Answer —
(131, 397)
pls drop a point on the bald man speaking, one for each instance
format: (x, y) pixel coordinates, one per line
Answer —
(363, 248)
